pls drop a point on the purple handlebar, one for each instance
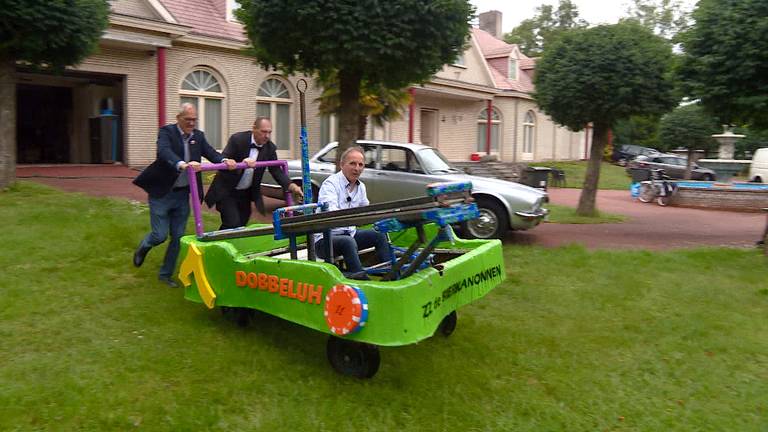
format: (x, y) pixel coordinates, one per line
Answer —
(193, 194)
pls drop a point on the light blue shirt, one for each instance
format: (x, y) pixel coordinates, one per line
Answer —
(336, 191)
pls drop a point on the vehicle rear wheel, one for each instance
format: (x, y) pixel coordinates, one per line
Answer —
(646, 193)
(355, 359)
(492, 223)
(708, 177)
(448, 324)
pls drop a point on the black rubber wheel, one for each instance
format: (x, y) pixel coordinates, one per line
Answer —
(493, 222)
(448, 324)
(708, 177)
(355, 359)
(239, 315)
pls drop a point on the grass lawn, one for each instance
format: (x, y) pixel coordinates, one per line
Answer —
(611, 176)
(574, 340)
(567, 215)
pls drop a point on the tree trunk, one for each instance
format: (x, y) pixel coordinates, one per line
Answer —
(349, 111)
(7, 123)
(362, 125)
(589, 189)
(688, 165)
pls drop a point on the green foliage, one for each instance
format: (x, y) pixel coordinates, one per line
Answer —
(688, 127)
(665, 18)
(642, 130)
(604, 74)
(753, 139)
(726, 60)
(573, 340)
(394, 43)
(534, 34)
(53, 33)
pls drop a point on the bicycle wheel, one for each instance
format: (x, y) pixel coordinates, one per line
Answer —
(646, 193)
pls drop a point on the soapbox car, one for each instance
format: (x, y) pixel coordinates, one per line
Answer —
(271, 268)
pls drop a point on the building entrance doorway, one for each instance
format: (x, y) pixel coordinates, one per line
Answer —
(43, 116)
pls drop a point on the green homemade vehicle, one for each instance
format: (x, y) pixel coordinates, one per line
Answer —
(270, 268)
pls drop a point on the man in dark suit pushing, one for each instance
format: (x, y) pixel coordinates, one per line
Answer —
(179, 148)
(233, 191)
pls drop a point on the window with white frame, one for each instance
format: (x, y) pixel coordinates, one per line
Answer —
(329, 129)
(482, 129)
(529, 132)
(513, 65)
(459, 60)
(274, 103)
(202, 89)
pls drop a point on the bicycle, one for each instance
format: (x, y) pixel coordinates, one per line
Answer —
(658, 188)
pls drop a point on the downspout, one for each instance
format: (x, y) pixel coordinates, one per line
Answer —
(411, 113)
(488, 128)
(161, 86)
(514, 135)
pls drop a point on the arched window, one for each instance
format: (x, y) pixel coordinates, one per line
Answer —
(203, 90)
(274, 102)
(529, 134)
(482, 127)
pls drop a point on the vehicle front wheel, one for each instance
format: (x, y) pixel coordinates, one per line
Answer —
(708, 177)
(355, 359)
(493, 221)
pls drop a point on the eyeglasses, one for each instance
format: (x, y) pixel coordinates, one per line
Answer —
(189, 119)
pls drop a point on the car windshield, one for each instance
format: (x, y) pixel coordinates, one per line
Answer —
(435, 163)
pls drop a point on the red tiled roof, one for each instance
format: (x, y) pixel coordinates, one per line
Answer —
(205, 18)
(494, 48)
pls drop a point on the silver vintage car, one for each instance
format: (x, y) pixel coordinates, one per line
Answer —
(397, 171)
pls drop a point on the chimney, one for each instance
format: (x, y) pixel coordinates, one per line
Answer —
(491, 22)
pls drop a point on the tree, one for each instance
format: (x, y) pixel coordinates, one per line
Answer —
(376, 101)
(725, 64)
(601, 75)
(395, 43)
(642, 130)
(532, 35)
(665, 18)
(48, 34)
(688, 127)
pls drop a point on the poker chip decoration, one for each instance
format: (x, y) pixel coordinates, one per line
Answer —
(346, 310)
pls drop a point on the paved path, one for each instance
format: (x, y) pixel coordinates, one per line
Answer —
(648, 226)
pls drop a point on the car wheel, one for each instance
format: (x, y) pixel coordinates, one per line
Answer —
(355, 359)
(708, 177)
(493, 221)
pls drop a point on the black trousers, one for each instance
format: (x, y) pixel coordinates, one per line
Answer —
(235, 209)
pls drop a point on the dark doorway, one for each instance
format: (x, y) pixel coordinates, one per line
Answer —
(43, 117)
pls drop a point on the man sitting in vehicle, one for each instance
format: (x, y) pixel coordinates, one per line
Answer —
(344, 190)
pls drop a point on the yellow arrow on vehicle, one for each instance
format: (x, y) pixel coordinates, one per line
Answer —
(193, 264)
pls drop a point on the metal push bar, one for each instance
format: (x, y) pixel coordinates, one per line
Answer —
(194, 196)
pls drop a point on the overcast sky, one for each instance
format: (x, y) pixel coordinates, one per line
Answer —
(593, 11)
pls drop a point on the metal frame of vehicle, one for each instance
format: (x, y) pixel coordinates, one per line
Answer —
(697, 172)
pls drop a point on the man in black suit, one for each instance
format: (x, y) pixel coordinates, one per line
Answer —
(179, 147)
(233, 191)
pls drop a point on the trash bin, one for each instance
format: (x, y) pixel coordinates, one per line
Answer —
(640, 174)
(535, 177)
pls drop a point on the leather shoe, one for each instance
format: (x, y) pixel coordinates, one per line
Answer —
(139, 255)
(168, 281)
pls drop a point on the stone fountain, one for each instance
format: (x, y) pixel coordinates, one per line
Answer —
(725, 166)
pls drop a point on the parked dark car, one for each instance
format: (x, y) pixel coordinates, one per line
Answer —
(624, 153)
(673, 166)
